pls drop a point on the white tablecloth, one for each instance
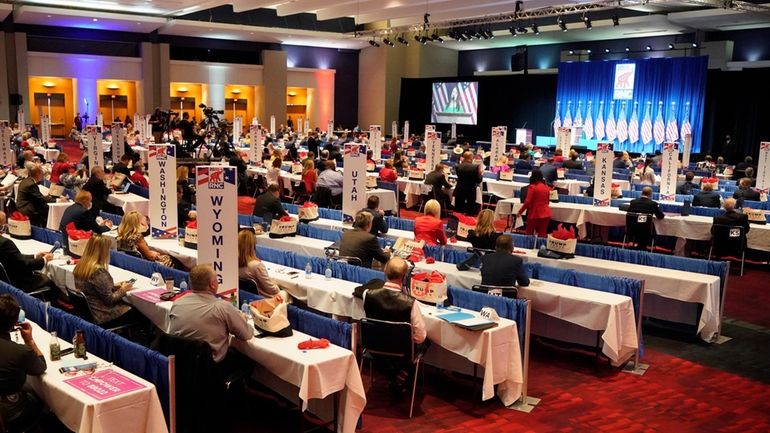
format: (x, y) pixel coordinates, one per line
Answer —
(49, 155)
(502, 188)
(133, 412)
(55, 213)
(414, 188)
(129, 202)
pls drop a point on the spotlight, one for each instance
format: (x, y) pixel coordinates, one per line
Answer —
(648, 48)
(388, 42)
(434, 36)
(587, 22)
(607, 50)
(562, 24)
(490, 33)
(695, 45)
(401, 40)
(615, 20)
(440, 40)
(588, 51)
(571, 52)
(373, 43)
(670, 46)
(522, 30)
(424, 40)
(628, 49)
(417, 37)
(535, 30)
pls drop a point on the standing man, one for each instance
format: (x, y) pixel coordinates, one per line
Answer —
(468, 179)
(441, 187)
(78, 122)
(30, 201)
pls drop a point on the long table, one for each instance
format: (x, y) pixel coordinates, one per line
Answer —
(135, 411)
(127, 202)
(693, 227)
(611, 314)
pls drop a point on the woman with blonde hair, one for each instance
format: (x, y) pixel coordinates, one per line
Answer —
(309, 176)
(482, 237)
(183, 180)
(501, 165)
(429, 227)
(251, 267)
(131, 239)
(93, 280)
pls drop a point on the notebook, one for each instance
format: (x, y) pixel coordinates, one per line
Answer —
(468, 321)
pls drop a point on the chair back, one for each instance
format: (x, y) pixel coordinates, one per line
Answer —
(80, 303)
(323, 196)
(640, 225)
(248, 285)
(387, 338)
(728, 240)
(504, 291)
(4, 275)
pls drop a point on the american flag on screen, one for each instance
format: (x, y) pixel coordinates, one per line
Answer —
(672, 130)
(647, 124)
(599, 128)
(686, 129)
(588, 128)
(633, 126)
(622, 124)
(557, 119)
(610, 130)
(567, 116)
(578, 118)
(467, 99)
(659, 131)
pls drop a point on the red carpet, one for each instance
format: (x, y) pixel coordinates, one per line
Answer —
(748, 296)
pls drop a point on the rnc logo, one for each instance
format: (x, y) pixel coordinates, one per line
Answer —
(214, 178)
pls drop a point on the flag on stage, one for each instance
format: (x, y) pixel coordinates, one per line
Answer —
(567, 117)
(610, 130)
(622, 124)
(578, 118)
(672, 130)
(588, 127)
(659, 131)
(633, 126)
(686, 121)
(647, 124)
(599, 128)
(557, 119)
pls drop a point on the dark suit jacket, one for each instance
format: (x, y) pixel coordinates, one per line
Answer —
(437, 180)
(121, 168)
(378, 222)
(468, 177)
(685, 188)
(84, 220)
(707, 199)
(32, 203)
(549, 173)
(99, 193)
(742, 195)
(573, 164)
(364, 245)
(503, 269)
(645, 205)
(268, 203)
(522, 164)
(733, 218)
(20, 267)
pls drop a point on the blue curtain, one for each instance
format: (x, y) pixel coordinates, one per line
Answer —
(318, 233)
(400, 223)
(112, 217)
(45, 236)
(657, 79)
(339, 333)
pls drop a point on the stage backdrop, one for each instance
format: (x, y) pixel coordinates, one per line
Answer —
(637, 104)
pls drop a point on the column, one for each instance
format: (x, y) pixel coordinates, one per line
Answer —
(5, 110)
(274, 85)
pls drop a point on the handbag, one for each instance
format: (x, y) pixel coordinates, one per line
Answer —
(271, 318)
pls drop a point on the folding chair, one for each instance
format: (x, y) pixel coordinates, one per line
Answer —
(728, 241)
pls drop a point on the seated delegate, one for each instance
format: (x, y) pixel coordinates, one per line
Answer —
(503, 268)
(360, 243)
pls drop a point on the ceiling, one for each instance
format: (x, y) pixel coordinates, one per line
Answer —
(172, 17)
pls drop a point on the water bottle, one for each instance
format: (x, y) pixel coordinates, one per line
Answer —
(183, 286)
(245, 308)
(543, 249)
(328, 271)
(308, 270)
(54, 347)
(22, 316)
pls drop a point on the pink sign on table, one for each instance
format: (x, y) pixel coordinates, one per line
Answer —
(152, 295)
(104, 384)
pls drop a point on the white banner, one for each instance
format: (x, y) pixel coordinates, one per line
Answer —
(217, 204)
(603, 174)
(255, 146)
(394, 129)
(45, 128)
(300, 124)
(375, 141)
(163, 211)
(307, 126)
(272, 126)
(763, 167)
(454, 131)
(406, 131)
(139, 126)
(687, 139)
(118, 141)
(430, 128)
(523, 136)
(21, 118)
(354, 181)
(6, 154)
(147, 128)
(94, 147)
(432, 150)
(563, 137)
(499, 136)
(237, 129)
(100, 121)
(330, 128)
(668, 170)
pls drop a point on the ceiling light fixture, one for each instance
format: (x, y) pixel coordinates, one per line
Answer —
(615, 20)
(628, 49)
(562, 24)
(373, 43)
(571, 52)
(648, 48)
(695, 45)
(535, 30)
(587, 22)
(670, 46)
(607, 50)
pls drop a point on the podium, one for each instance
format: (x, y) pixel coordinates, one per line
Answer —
(523, 136)
(575, 134)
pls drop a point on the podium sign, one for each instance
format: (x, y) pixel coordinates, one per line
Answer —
(217, 204)
(94, 147)
(354, 181)
(668, 172)
(499, 136)
(118, 141)
(163, 211)
(687, 139)
(432, 150)
(564, 140)
(603, 174)
(6, 153)
(255, 144)
(375, 141)
(763, 168)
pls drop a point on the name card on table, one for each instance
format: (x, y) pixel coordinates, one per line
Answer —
(237, 129)
(603, 175)
(763, 168)
(163, 202)
(6, 153)
(375, 141)
(354, 181)
(406, 131)
(432, 149)
(118, 141)
(668, 169)
(217, 203)
(255, 144)
(104, 384)
(94, 147)
(499, 136)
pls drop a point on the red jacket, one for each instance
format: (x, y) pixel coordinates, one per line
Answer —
(429, 229)
(537, 203)
(140, 180)
(388, 175)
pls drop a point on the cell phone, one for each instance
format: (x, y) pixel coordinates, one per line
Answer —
(292, 273)
(65, 352)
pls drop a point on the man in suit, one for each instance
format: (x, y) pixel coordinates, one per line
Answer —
(646, 205)
(469, 177)
(686, 187)
(269, 203)
(30, 201)
(523, 163)
(732, 217)
(572, 163)
(549, 172)
(360, 243)
(22, 269)
(707, 197)
(122, 166)
(437, 180)
(80, 214)
(744, 192)
(100, 192)
(379, 226)
(503, 268)
(740, 168)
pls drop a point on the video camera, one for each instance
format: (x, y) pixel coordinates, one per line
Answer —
(210, 112)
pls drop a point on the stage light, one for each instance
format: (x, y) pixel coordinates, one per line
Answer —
(373, 43)
(648, 48)
(522, 30)
(535, 30)
(490, 33)
(607, 50)
(670, 46)
(562, 24)
(571, 52)
(587, 22)
(615, 20)
(695, 45)
(588, 51)
(388, 42)
(417, 37)
(402, 40)
(434, 36)
(628, 49)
